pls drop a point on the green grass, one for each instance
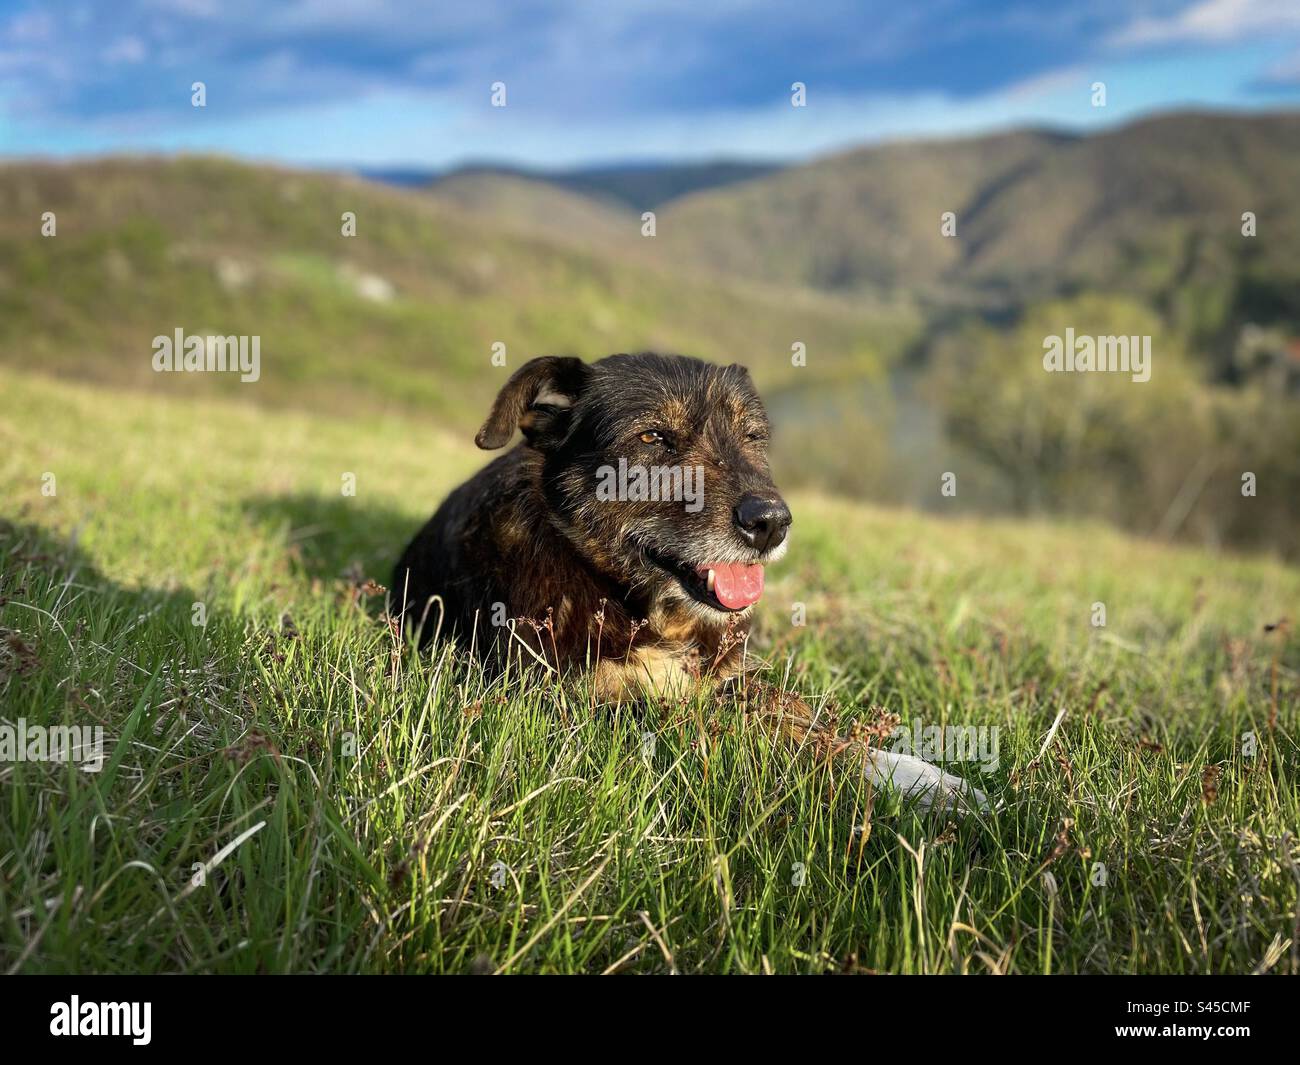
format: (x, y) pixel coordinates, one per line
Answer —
(381, 788)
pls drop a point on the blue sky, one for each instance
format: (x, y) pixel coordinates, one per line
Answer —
(396, 82)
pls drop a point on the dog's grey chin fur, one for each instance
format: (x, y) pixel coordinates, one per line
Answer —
(672, 593)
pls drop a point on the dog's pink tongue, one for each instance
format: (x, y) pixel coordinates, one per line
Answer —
(735, 584)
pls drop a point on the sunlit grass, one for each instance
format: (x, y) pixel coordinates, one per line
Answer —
(408, 814)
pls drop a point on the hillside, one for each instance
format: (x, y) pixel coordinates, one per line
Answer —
(631, 187)
(1152, 208)
(529, 205)
(869, 218)
(404, 314)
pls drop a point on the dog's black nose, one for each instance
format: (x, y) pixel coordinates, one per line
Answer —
(762, 522)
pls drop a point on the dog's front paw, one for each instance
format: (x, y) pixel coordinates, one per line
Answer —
(918, 781)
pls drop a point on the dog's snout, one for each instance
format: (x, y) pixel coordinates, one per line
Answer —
(762, 521)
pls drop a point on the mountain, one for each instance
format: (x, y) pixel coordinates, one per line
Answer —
(1153, 208)
(536, 206)
(404, 177)
(635, 187)
(599, 208)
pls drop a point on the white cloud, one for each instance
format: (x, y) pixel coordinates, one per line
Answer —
(1213, 22)
(125, 50)
(1051, 81)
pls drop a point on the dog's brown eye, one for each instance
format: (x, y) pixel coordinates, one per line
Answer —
(652, 436)
(758, 434)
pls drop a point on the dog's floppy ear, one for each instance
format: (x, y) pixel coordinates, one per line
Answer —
(537, 399)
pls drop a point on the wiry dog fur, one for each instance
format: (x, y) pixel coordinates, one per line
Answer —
(591, 581)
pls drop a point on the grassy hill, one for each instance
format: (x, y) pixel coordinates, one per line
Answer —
(1153, 207)
(402, 316)
(869, 218)
(1151, 210)
(286, 790)
(519, 202)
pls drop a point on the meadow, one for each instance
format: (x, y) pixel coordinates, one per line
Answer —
(288, 788)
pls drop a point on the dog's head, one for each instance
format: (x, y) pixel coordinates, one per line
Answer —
(655, 467)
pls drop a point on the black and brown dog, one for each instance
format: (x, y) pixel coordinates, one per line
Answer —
(626, 534)
(632, 523)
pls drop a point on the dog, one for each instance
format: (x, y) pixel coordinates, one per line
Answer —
(652, 582)
(627, 535)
